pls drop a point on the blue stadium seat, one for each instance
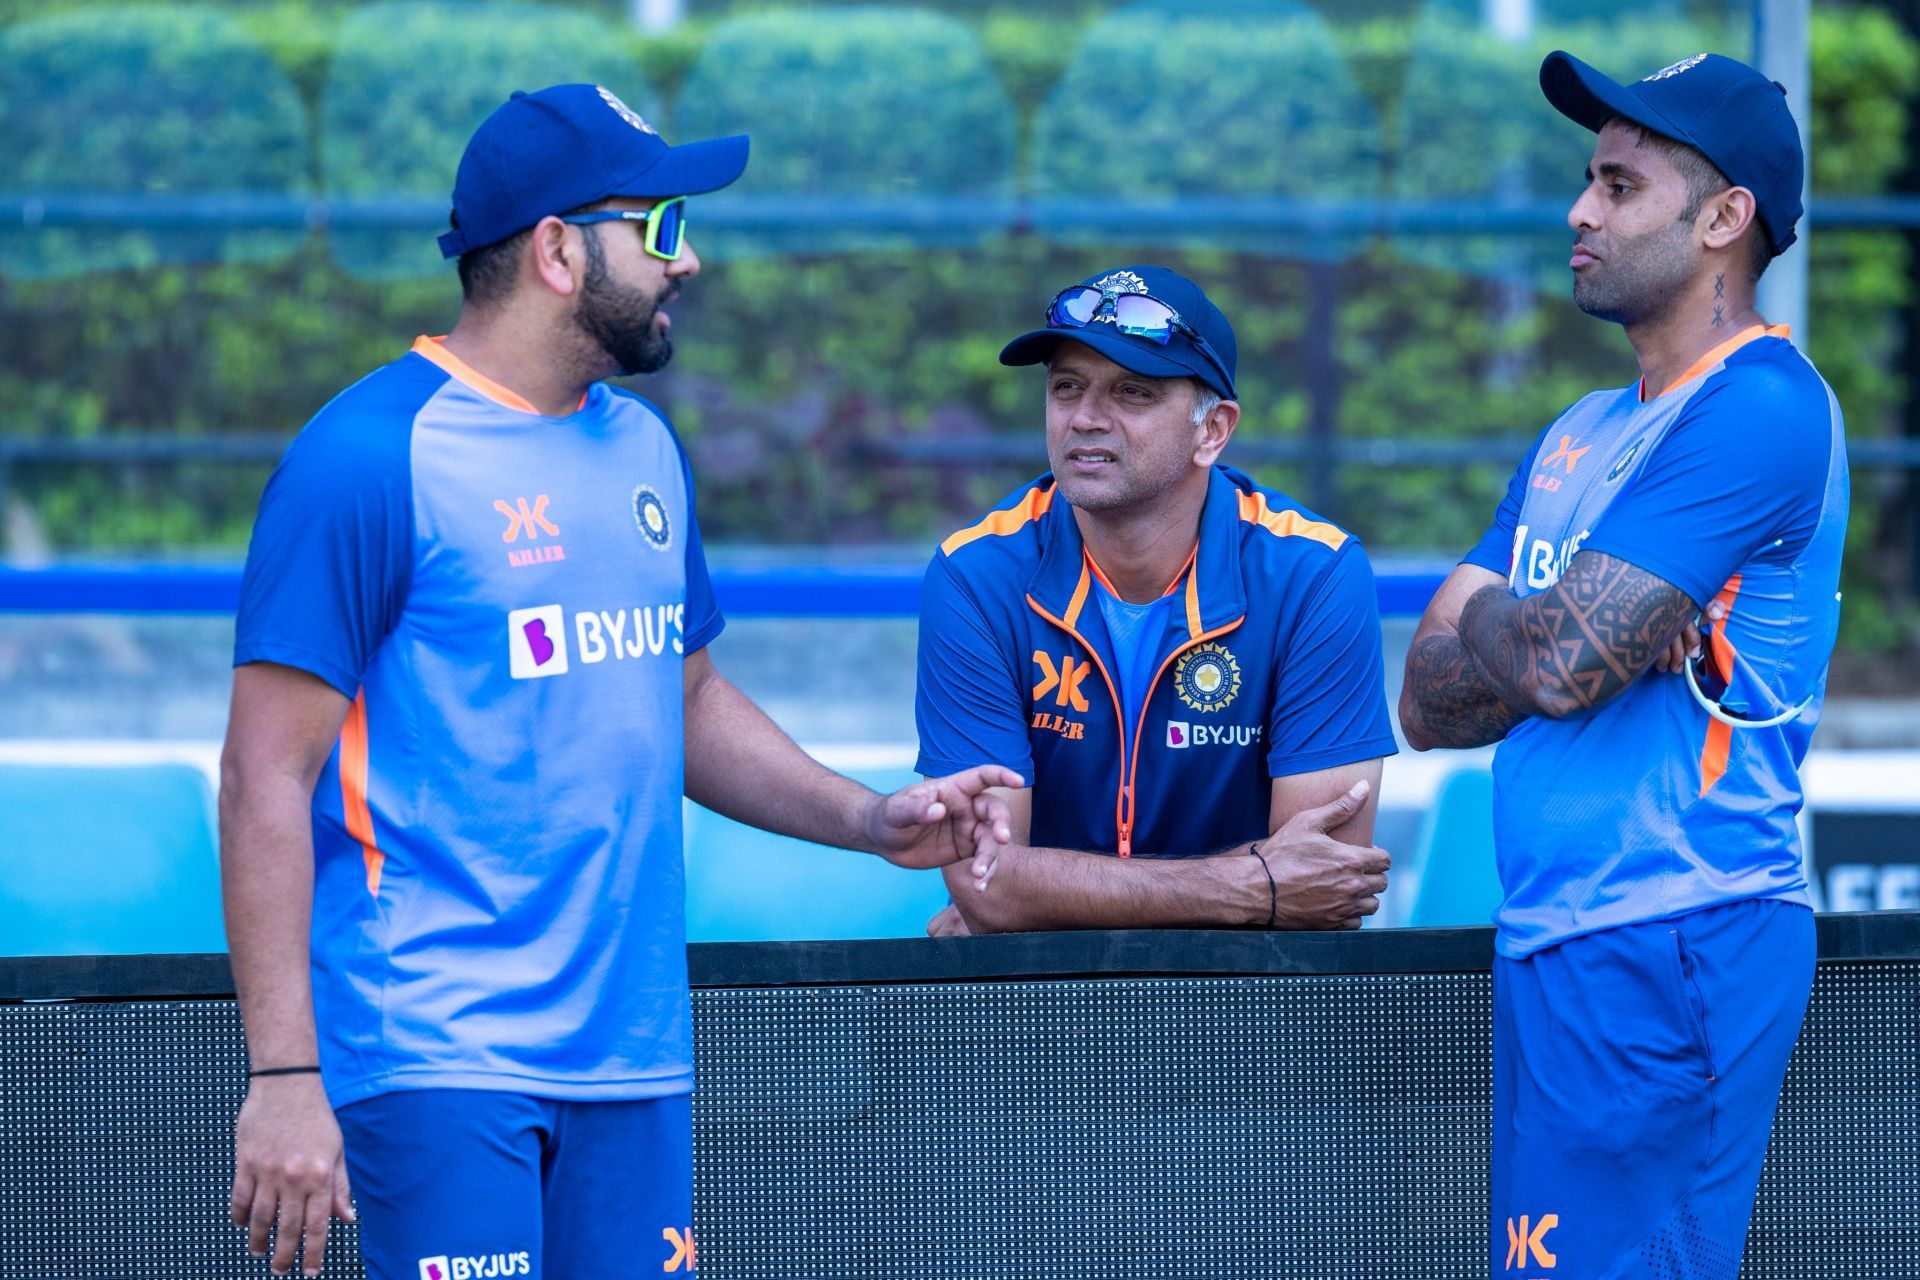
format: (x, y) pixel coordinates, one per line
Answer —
(410, 82)
(1459, 881)
(1206, 103)
(746, 885)
(149, 108)
(108, 860)
(891, 118)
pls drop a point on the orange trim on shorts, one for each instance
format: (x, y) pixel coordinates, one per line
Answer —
(1749, 334)
(353, 789)
(1288, 524)
(1000, 523)
(1719, 744)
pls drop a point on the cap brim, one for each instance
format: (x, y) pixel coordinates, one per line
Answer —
(691, 169)
(1588, 98)
(1129, 353)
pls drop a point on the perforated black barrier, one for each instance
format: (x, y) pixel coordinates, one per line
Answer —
(1090, 1106)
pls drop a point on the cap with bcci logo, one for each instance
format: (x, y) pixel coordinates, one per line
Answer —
(573, 144)
(1723, 109)
(1199, 344)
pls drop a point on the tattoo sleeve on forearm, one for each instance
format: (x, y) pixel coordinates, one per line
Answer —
(1576, 645)
(1456, 706)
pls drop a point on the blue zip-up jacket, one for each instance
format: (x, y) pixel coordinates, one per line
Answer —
(1269, 665)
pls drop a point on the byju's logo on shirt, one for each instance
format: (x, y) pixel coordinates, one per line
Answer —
(1181, 735)
(537, 642)
(487, 1266)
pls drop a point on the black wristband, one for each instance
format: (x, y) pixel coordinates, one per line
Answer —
(1273, 890)
(284, 1071)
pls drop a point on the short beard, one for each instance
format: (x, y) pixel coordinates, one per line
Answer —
(619, 319)
(1640, 279)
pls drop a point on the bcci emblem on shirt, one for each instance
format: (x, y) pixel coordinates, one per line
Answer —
(1208, 678)
(650, 513)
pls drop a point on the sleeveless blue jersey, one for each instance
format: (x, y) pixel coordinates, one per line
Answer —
(506, 598)
(1731, 484)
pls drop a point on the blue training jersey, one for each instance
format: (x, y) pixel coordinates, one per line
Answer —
(1730, 485)
(506, 598)
(1263, 661)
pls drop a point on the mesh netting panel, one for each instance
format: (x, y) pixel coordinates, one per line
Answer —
(1100, 1129)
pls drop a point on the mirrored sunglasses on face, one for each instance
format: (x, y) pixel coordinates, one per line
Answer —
(665, 229)
(1137, 315)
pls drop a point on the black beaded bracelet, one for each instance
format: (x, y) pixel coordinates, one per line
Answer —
(1273, 890)
(284, 1071)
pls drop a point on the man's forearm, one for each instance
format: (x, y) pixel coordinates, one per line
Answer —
(266, 878)
(740, 764)
(1449, 703)
(1578, 644)
(1037, 888)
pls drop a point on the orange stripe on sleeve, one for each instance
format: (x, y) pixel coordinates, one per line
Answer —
(1000, 523)
(1719, 743)
(353, 788)
(1288, 524)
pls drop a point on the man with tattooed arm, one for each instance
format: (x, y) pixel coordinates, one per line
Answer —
(1655, 943)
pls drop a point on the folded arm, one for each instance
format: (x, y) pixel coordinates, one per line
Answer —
(1577, 645)
(1325, 872)
(1444, 700)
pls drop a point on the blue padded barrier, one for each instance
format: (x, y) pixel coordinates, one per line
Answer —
(1459, 881)
(108, 860)
(748, 885)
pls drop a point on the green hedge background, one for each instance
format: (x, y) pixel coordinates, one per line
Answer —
(799, 351)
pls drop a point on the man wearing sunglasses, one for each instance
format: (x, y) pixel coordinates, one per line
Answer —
(472, 685)
(1655, 947)
(1183, 667)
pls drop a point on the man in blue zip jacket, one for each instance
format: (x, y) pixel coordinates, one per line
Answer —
(1184, 667)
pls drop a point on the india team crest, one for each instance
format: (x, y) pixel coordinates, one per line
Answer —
(650, 514)
(1208, 678)
(624, 111)
(1685, 64)
(1120, 282)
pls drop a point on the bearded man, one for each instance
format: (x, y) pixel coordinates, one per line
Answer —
(472, 684)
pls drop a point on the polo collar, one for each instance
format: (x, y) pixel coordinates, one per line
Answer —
(1213, 595)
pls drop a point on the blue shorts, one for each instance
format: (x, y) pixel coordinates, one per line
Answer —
(1635, 1075)
(464, 1184)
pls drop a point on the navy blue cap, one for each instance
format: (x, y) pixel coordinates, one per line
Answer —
(548, 152)
(1723, 109)
(1182, 357)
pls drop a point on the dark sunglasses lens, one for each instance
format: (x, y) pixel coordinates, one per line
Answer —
(673, 220)
(1143, 317)
(1074, 308)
